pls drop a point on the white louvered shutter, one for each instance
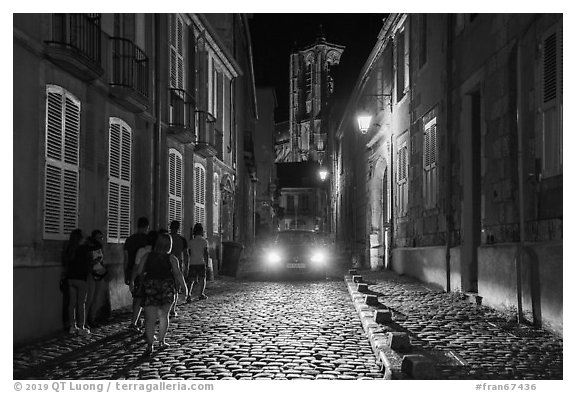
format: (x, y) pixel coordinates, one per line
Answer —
(119, 180)
(216, 213)
(176, 52)
(200, 194)
(402, 179)
(175, 174)
(61, 167)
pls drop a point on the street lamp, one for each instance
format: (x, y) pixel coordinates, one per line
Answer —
(364, 118)
(323, 173)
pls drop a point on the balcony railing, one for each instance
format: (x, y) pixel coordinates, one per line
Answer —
(130, 67)
(76, 44)
(181, 116)
(206, 134)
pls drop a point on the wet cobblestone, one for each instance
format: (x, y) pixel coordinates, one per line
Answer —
(245, 330)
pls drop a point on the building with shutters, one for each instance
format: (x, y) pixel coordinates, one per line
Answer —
(119, 116)
(458, 180)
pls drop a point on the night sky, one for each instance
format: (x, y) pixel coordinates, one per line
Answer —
(274, 36)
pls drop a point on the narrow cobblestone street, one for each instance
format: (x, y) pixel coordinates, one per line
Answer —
(250, 329)
(245, 330)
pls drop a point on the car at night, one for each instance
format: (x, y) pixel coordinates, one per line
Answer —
(296, 253)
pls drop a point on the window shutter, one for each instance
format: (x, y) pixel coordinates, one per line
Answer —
(430, 171)
(176, 52)
(119, 180)
(216, 213)
(61, 168)
(550, 68)
(175, 174)
(200, 194)
(551, 101)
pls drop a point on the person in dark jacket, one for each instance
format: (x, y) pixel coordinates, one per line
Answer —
(78, 264)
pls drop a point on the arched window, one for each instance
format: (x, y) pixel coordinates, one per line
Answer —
(175, 176)
(200, 194)
(62, 157)
(119, 179)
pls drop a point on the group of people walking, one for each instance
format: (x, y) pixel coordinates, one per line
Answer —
(158, 267)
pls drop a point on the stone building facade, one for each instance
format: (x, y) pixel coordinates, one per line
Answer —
(458, 179)
(122, 116)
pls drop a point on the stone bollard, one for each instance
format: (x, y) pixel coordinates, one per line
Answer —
(382, 316)
(370, 300)
(362, 288)
(418, 367)
(399, 341)
(356, 279)
(353, 272)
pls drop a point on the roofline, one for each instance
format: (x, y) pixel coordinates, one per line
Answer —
(383, 37)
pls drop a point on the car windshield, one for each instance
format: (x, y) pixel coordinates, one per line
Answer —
(296, 237)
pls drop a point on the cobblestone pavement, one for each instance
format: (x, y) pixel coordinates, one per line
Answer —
(463, 340)
(245, 330)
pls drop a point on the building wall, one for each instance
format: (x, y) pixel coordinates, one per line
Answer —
(38, 302)
(479, 70)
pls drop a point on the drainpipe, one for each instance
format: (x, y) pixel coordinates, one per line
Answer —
(520, 251)
(158, 126)
(520, 153)
(448, 155)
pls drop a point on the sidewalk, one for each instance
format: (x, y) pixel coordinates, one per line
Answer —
(418, 332)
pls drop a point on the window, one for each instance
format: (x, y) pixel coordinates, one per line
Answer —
(62, 163)
(216, 215)
(430, 157)
(200, 194)
(290, 204)
(402, 179)
(175, 177)
(402, 63)
(176, 52)
(423, 39)
(551, 103)
(119, 180)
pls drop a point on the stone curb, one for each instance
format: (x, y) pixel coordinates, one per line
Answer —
(391, 348)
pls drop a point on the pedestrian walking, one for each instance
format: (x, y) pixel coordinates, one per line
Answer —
(180, 251)
(161, 279)
(98, 271)
(77, 262)
(131, 247)
(198, 262)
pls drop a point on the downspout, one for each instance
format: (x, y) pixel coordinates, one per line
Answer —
(448, 155)
(520, 251)
(535, 294)
(158, 126)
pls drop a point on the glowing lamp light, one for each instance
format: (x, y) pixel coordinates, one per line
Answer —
(364, 121)
(323, 173)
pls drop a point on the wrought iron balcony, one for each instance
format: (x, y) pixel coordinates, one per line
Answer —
(130, 74)
(181, 116)
(76, 44)
(206, 143)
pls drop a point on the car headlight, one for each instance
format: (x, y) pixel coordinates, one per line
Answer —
(318, 256)
(273, 257)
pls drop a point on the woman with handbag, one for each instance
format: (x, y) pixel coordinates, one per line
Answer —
(160, 276)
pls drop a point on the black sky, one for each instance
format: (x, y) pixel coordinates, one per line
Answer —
(274, 36)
